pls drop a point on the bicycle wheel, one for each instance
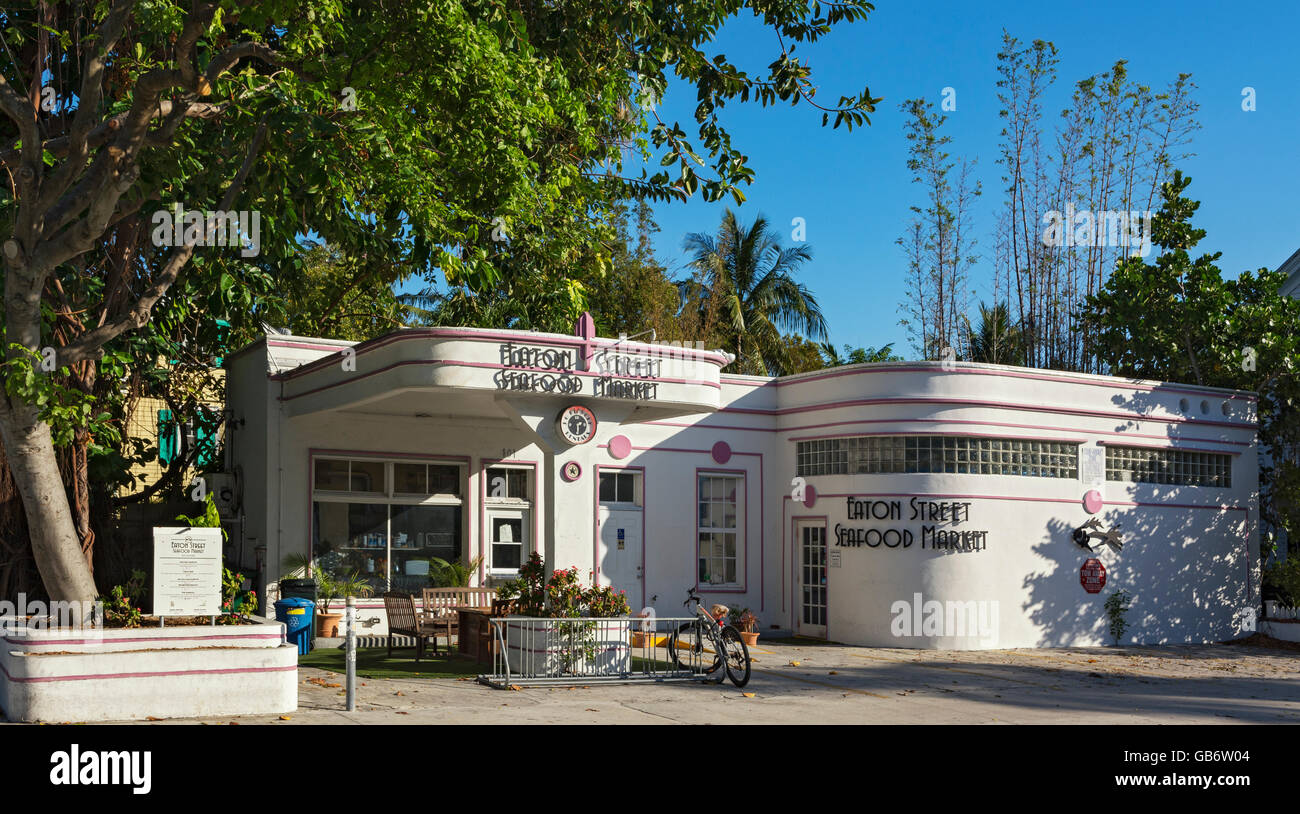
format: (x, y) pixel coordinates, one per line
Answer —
(687, 649)
(737, 656)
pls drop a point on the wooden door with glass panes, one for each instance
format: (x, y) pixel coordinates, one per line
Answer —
(810, 543)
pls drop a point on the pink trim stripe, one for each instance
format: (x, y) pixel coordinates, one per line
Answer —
(518, 337)
(106, 639)
(947, 435)
(491, 366)
(266, 341)
(1003, 405)
(151, 674)
(1217, 507)
(703, 425)
(1112, 383)
(1105, 443)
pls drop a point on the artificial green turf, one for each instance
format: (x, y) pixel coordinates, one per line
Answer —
(373, 662)
(801, 641)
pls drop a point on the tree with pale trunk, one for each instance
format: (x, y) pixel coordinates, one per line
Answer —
(440, 138)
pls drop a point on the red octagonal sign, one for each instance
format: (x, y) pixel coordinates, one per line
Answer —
(1092, 576)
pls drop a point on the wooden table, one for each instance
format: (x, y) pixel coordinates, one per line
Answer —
(476, 637)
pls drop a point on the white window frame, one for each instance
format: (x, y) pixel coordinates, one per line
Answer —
(510, 507)
(388, 498)
(738, 530)
(638, 489)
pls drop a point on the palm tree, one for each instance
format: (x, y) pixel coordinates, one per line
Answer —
(857, 356)
(746, 278)
(998, 341)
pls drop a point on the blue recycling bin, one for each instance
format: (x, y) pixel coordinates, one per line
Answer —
(297, 614)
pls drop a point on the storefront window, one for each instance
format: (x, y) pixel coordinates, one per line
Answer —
(508, 501)
(719, 532)
(352, 537)
(419, 534)
(386, 520)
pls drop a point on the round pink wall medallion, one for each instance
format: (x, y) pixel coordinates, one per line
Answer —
(620, 447)
(809, 496)
(721, 452)
(1092, 501)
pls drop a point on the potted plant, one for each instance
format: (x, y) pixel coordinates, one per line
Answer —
(332, 588)
(558, 639)
(746, 622)
(648, 636)
(452, 573)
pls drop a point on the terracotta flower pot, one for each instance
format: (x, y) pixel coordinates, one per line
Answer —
(750, 639)
(641, 639)
(327, 625)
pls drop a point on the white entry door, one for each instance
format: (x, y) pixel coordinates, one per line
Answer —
(619, 553)
(810, 545)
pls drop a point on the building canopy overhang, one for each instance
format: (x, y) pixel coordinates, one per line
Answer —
(484, 374)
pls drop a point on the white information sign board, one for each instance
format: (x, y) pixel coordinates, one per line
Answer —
(186, 572)
(1092, 466)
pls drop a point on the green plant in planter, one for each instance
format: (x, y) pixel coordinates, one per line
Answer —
(603, 602)
(1282, 582)
(1117, 606)
(296, 566)
(510, 589)
(744, 620)
(122, 605)
(210, 519)
(452, 574)
(236, 603)
(329, 588)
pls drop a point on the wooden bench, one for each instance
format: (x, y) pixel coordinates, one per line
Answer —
(440, 606)
(403, 620)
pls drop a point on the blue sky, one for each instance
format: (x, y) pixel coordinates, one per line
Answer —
(853, 189)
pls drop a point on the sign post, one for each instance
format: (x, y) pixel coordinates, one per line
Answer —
(350, 651)
(186, 571)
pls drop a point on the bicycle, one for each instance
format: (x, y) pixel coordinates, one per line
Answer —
(686, 646)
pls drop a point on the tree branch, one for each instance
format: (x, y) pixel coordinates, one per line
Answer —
(92, 92)
(90, 344)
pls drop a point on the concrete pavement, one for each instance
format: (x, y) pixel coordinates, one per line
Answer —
(800, 683)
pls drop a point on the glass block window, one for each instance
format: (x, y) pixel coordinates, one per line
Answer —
(823, 457)
(718, 528)
(958, 455)
(1170, 466)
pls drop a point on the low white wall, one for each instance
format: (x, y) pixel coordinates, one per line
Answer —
(122, 674)
(1287, 631)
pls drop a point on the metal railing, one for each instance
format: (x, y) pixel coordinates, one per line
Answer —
(556, 652)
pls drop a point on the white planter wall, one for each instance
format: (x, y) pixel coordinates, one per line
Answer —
(536, 648)
(132, 674)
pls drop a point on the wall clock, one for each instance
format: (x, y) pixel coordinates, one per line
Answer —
(576, 425)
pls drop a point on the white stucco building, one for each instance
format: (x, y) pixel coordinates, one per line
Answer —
(842, 503)
(1291, 268)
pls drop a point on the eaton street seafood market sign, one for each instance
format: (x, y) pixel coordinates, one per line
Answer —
(553, 370)
(933, 524)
